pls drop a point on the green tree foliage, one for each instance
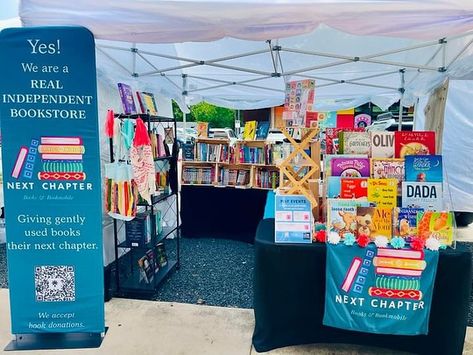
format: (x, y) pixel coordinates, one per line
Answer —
(218, 117)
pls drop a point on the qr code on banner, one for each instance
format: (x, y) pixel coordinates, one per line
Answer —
(55, 283)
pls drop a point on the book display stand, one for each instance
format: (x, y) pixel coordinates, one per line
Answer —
(143, 266)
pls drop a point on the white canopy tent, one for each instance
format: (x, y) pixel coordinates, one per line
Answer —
(239, 54)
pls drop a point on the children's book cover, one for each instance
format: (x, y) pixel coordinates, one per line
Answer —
(341, 215)
(202, 129)
(383, 192)
(262, 130)
(405, 222)
(333, 186)
(384, 168)
(249, 131)
(414, 143)
(374, 221)
(436, 224)
(354, 188)
(328, 161)
(149, 103)
(354, 143)
(426, 195)
(424, 168)
(382, 144)
(126, 96)
(350, 167)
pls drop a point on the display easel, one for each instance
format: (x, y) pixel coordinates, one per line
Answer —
(291, 182)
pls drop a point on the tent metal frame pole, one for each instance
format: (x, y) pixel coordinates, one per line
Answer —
(403, 83)
(161, 71)
(272, 57)
(316, 67)
(156, 68)
(133, 51)
(237, 56)
(228, 82)
(246, 70)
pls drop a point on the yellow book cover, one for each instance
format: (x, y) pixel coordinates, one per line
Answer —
(374, 221)
(249, 132)
(383, 192)
(202, 129)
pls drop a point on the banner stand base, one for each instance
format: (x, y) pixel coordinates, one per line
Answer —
(52, 341)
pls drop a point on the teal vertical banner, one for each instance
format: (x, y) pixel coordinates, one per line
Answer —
(51, 179)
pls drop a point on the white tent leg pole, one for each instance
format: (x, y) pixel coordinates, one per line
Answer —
(399, 127)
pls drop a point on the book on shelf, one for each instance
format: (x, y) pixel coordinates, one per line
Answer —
(382, 144)
(249, 131)
(140, 102)
(334, 185)
(188, 151)
(146, 270)
(405, 222)
(234, 177)
(149, 103)
(383, 192)
(202, 130)
(414, 143)
(332, 138)
(262, 130)
(126, 95)
(161, 256)
(424, 168)
(138, 231)
(374, 221)
(151, 255)
(211, 152)
(426, 195)
(198, 175)
(328, 161)
(267, 179)
(386, 168)
(354, 188)
(354, 142)
(350, 167)
(254, 155)
(436, 224)
(341, 215)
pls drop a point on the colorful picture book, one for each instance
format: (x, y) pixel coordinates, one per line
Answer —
(262, 130)
(350, 167)
(328, 161)
(341, 215)
(414, 143)
(424, 168)
(147, 103)
(333, 186)
(384, 168)
(383, 192)
(354, 142)
(188, 151)
(426, 195)
(202, 129)
(126, 95)
(311, 119)
(354, 188)
(374, 221)
(382, 144)
(249, 131)
(436, 224)
(405, 222)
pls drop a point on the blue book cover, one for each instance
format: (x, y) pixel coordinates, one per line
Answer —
(333, 186)
(405, 221)
(424, 168)
(262, 130)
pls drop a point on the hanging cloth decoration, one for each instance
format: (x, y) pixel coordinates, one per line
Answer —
(127, 131)
(109, 123)
(142, 162)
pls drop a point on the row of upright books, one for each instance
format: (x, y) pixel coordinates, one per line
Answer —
(151, 262)
(267, 179)
(208, 152)
(234, 177)
(198, 175)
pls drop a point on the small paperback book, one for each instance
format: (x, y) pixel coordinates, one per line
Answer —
(426, 195)
(424, 168)
(202, 129)
(384, 168)
(405, 222)
(333, 186)
(356, 188)
(126, 95)
(249, 131)
(262, 130)
(149, 103)
(383, 192)
(414, 143)
(374, 221)
(436, 224)
(354, 143)
(350, 167)
(382, 144)
(341, 215)
(188, 151)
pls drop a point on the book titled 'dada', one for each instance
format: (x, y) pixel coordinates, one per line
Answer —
(422, 168)
(350, 167)
(426, 195)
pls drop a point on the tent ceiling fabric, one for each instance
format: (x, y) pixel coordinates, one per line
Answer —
(218, 51)
(177, 21)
